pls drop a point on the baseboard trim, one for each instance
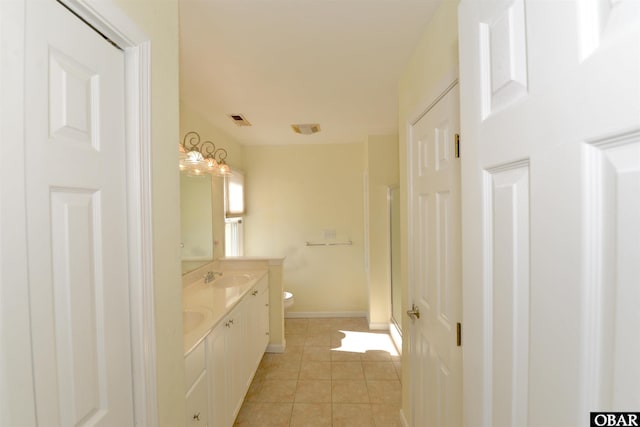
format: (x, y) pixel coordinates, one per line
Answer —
(396, 336)
(314, 314)
(379, 326)
(276, 348)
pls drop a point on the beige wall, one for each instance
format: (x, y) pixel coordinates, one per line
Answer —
(382, 169)
(192, 120)
(433, 60)
(294, 193)
(159, 20)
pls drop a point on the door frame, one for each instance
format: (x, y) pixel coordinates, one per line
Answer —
(17, 402)
(436, 93)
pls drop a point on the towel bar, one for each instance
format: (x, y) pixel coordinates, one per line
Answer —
(347, 243)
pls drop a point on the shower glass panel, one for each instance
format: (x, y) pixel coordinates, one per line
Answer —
(396, 290)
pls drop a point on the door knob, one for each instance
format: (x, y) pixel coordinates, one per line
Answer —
(414, 312)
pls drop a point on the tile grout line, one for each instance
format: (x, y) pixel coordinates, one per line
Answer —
(316, 330)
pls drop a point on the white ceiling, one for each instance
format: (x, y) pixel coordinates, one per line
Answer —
(332, 62)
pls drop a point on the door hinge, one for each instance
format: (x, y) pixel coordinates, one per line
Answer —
(458, 334)
(457, 145)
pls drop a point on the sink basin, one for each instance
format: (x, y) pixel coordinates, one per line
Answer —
(229, 280)
(191, 320)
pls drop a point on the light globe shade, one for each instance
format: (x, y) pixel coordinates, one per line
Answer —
(224, 169)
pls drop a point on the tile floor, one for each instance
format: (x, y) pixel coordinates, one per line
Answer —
(334, 372)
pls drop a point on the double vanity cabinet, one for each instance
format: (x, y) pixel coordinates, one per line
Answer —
(224, 346)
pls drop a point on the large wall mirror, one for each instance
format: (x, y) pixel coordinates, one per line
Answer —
(196, 209)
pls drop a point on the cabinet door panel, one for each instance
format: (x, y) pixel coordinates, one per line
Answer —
(217, 356)
(196, 403)
(263, 322)
(238, 356)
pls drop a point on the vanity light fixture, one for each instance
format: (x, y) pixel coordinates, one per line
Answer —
(202, 157)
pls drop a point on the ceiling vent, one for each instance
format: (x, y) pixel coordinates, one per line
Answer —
(239, 119)
(306, 129)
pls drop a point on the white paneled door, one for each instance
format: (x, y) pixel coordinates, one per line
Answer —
(551, 210)
(436, 358)
(76, 221)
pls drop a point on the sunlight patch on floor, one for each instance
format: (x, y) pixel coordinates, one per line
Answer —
(361, 342)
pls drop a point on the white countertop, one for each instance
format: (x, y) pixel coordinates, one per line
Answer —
(214, 303)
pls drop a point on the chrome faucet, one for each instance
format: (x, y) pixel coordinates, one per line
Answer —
(211, 276)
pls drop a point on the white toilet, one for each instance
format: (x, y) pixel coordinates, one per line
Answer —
(288, 299)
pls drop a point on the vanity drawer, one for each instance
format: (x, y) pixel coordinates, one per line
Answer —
(194, 364)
